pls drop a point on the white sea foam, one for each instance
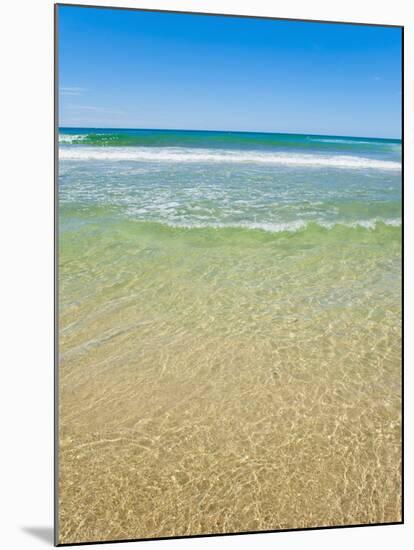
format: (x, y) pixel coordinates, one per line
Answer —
(187, 155)
(368, 224)
(270, 227)
(291, 227)
(342, 140)
(70, 138)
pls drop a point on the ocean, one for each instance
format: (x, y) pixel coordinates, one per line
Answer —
(229, 331)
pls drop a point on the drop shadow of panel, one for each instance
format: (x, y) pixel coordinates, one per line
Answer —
(42, 533)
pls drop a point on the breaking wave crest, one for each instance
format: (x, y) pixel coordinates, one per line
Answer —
(191, 155)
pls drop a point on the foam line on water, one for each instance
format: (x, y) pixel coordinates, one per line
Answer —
(70, 138)
(290, 227)
(187, 155)
(344, 140)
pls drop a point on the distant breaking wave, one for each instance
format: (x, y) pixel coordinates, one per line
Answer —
(71, 138)
(189, 155)
(343, 140)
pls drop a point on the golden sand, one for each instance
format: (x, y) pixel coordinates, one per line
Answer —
(188, 410)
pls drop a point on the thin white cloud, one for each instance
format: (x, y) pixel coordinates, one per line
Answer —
(94, 109)
(72, 90)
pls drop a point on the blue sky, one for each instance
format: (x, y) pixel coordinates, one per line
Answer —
(132, 69)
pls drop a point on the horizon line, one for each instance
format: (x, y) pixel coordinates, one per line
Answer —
(226, 131)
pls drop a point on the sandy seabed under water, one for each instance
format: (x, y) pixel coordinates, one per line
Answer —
(200, 395)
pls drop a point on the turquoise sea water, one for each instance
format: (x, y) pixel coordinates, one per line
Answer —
(275, 182)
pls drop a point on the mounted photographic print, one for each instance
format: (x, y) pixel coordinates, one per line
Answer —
(229, 274)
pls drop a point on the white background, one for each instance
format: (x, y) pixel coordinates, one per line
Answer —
(26, 275)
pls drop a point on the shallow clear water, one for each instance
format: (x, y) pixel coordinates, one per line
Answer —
(230, 339)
